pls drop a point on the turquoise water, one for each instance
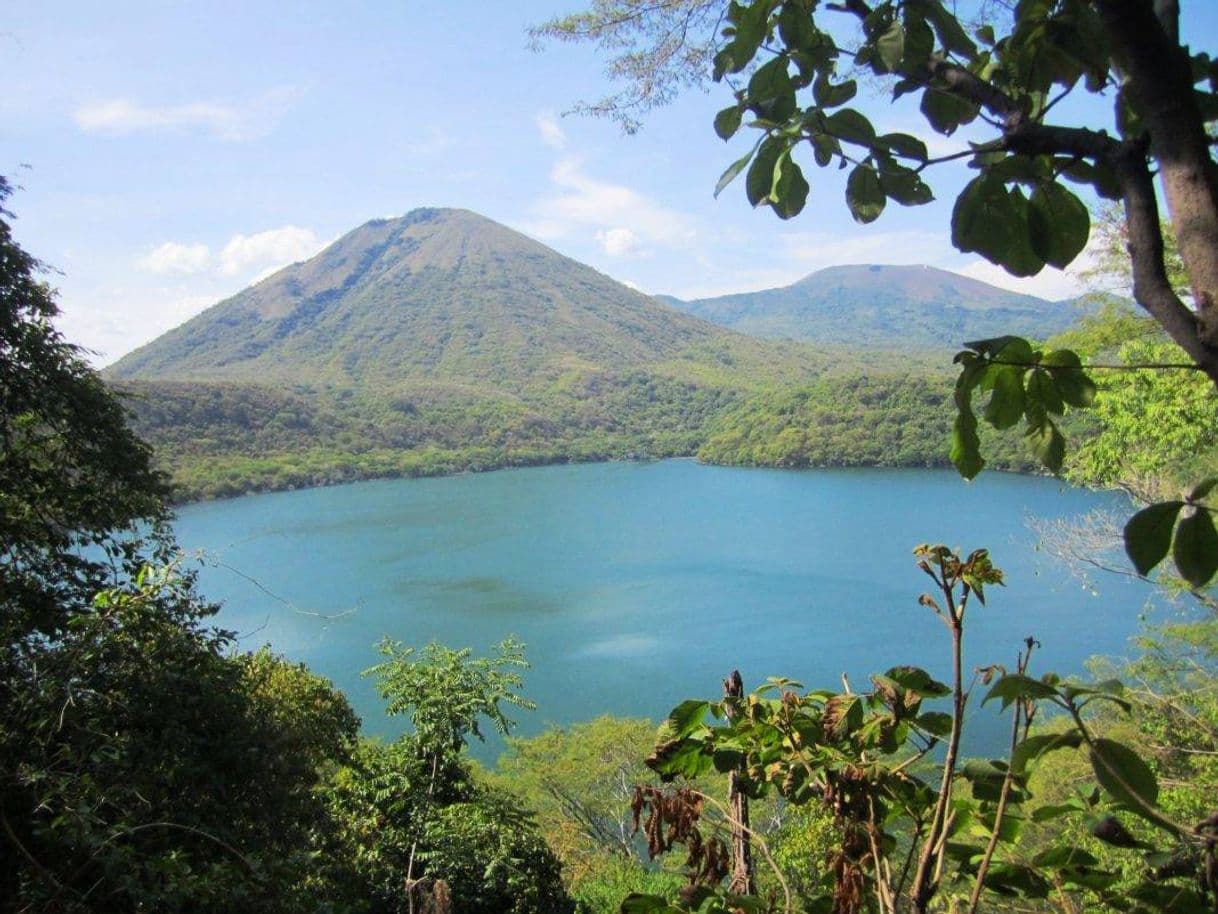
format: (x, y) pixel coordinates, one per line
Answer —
(636, 585)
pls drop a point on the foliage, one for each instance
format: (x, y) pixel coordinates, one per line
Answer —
(893, 420)
(153, 771)
(913, 832)
(71, 472)
(445, 692)
(579, 780)
(411, 825)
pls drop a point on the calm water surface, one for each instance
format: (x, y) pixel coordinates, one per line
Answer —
(636, 585)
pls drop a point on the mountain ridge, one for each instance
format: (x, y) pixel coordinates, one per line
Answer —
(883, 305)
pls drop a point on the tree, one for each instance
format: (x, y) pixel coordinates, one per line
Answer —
(141, 766)
(789, 68)
(913, 830)
(413, 829)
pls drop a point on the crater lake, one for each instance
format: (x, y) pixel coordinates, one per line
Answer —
(637, 585)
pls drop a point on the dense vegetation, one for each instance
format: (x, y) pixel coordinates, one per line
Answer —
(145, 766)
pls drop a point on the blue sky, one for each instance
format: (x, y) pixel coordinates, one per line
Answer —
(169, 154)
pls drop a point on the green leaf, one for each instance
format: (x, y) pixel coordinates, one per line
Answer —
(890, 47)
(905, 186)
(944, 112)
(734, 169)
(1043, 390)
(1064, 856)
(685, 757)
(727, 121)
(1196, 547)
(966, 445)
(760, 179)
(917, 680)
(790, 190)
(947, 27)
(850, 126)
(1058, 225)
(1007, 401)
(684, 719)
(1148, 534)
(1032, 748)
(936, 723)
(904, 145)
(636, 903)
(981, 219)
(1047, 444)
(864, 194)
(1121, 771)
(828, 95)
(796, 28)
(771, 94)
(1015, 686)
(1047, 813)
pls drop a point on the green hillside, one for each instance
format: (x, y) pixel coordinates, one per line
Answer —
(442, 342)
(885, 306)
(435, 343)
(437, 294)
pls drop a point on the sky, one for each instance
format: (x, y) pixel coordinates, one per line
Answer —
(170, 154)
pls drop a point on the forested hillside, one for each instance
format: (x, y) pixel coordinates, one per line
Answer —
(442, 342)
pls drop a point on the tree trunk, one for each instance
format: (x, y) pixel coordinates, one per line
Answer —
(738, 803)
(1161, 81)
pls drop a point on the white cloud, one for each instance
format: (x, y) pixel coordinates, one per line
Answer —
(618, 241)
(226, 121)
(268, 251)
(621, 219)
(551, 134)
(172, 257)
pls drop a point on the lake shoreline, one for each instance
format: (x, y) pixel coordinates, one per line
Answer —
(445, 464)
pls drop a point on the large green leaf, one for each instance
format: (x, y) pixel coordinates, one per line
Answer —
(905, 186)
(946, 112)
(904, 145)
(771, 94)
(1034, 747)
(865, 194)
(727, 121)
(1148, 534)
(790, 190)
(850, 126)
(760, 179)
(1058, 225)
(1007, 400)
(1015, 686)
(890, 47)
(1196, 547)
(917, 680)
(1048, 444)
(1123, 773)
(981, 219)
(827, 95)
